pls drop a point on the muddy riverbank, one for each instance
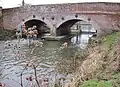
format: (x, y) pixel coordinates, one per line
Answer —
(100, 68)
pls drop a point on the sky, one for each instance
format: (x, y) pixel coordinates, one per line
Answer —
(16, 3)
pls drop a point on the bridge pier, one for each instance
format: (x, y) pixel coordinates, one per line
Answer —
(53, 31)
(53, 35)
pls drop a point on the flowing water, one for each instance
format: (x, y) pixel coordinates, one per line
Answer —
(17, 59)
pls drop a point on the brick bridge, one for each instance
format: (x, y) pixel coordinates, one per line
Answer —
(104, 17)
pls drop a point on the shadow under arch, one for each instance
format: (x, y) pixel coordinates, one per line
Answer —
(85, 18)
(64, 28)
(41, 26)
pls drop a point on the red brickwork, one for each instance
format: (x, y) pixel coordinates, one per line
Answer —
(104, 16)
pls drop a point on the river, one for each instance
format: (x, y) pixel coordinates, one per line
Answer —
(17, 59)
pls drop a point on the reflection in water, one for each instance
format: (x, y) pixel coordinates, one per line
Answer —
(81, 40)
(14, 58)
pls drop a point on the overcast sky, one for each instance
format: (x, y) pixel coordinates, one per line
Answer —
(15, 3)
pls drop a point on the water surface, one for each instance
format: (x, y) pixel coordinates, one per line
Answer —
(14, 57)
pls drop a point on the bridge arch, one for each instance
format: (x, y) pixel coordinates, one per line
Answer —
(43, 25)
(72, 19)
(64, 28)
(42, 19)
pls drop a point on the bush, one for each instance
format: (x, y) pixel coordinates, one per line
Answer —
(7, 34)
